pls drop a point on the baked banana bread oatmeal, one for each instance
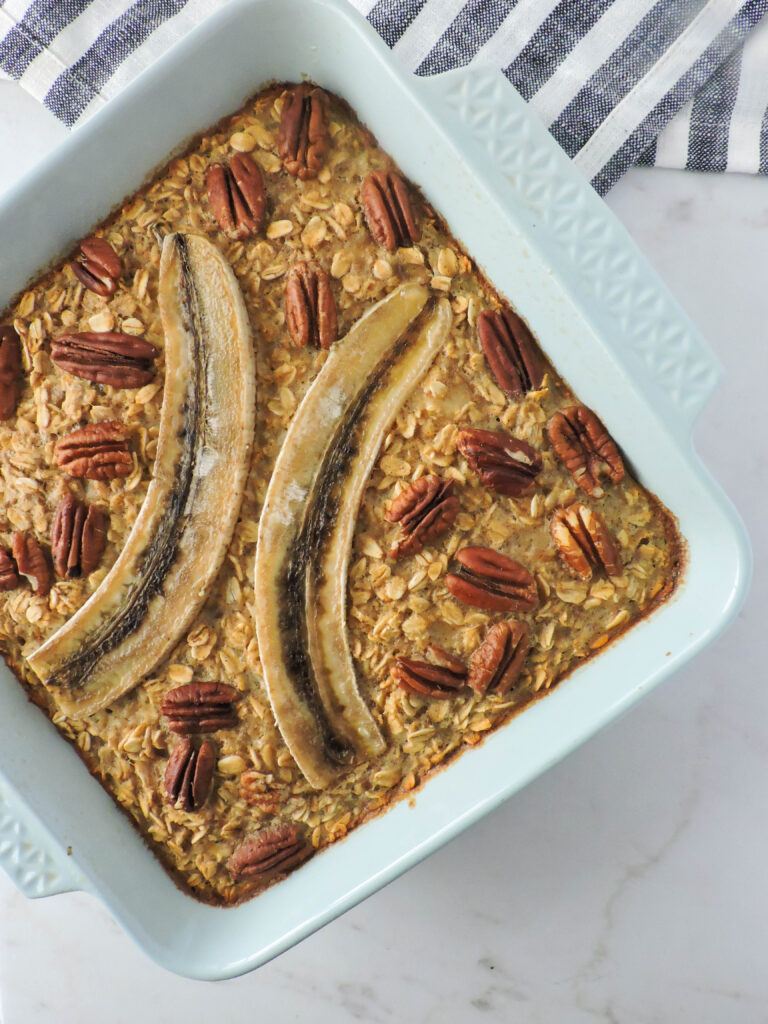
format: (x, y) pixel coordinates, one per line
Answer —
(294, 507)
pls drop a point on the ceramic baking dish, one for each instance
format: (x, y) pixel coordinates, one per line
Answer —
(549, 244)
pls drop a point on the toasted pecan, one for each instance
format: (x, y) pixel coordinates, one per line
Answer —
(585, 447)
(189, 774)
(585, 542)
(99, 267)
(499, 660)
(512, 354)
(236, 196)
(310, 308)
(106, 357)
(200, 707)
(487, 579)
(503, 463)
(10, 370)
(425, 509)
(303, 137)
(98, 451)
(78, 537)
(389, 210)
(273, 851)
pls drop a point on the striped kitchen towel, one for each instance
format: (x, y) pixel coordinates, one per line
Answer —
(677, 83)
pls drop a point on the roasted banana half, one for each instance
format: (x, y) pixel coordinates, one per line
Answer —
(308, 522)
(178, 542)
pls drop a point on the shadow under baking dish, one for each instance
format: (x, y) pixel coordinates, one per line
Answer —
(545, 239)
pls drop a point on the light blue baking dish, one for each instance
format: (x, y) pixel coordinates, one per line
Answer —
(548, 243)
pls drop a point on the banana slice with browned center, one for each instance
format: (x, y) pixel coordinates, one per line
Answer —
(178, 542)
(307, 525)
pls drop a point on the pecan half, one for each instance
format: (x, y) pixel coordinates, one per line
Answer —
(425, 509)
(105, 357)
(200, 707)
(498, 661)
(310, 309)
(96, 452)
(487, 579)
(585, 447)
(585, 542)
(189, 775)
(31, 562)
(236, 196)
(512, 354)
(9, 578)
(438, 681)
(10, 370)
(99, 268)
(273, 851)
(78, 537)
(388, 210)
(302, 141)
(502, 462)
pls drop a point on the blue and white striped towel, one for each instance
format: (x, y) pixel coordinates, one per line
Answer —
(676, 83)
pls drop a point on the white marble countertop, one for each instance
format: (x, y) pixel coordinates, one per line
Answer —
(629, 883)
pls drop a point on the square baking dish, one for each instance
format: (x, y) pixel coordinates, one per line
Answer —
(550, 245)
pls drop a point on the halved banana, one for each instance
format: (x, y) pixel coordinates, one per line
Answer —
(332, 511)
(178, 542)
(307, 525)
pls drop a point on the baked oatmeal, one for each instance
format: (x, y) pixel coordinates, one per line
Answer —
(272, 405)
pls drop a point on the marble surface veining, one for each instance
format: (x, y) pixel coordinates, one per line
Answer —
(628, 884)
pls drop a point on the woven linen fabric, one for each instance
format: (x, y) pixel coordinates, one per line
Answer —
(676, 83)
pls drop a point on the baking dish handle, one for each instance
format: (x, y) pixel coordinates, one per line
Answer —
(31, 859)
(579, 237)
